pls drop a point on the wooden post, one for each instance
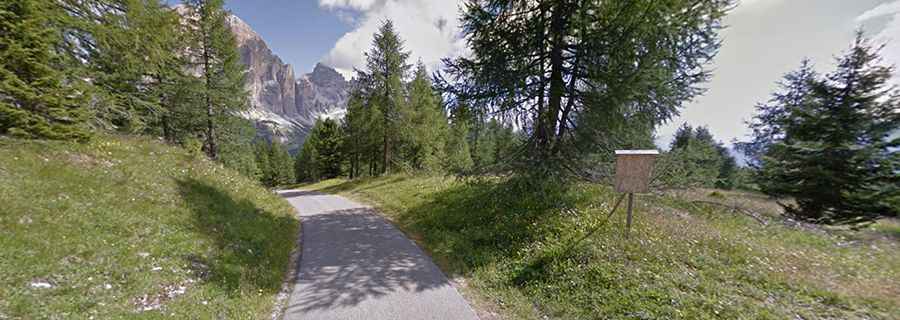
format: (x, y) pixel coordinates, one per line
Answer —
(633, 171)
(628, 220)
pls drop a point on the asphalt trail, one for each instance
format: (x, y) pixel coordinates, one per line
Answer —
(356, 265)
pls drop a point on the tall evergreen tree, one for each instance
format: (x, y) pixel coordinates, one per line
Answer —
(577, 72)
(387, 66)
(423, 124)
(459, 157)
(830, 147)
(771, 120)
(321, 156)
(214, 51)
(363, 131)
(36, 98)
(130, 50)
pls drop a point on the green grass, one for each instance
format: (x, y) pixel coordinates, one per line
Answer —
(121, 224)
(683, 260)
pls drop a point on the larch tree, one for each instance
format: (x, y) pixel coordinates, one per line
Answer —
(423, 124)
(214, 52)
(579, 76)
(37, 100)
(387, 66)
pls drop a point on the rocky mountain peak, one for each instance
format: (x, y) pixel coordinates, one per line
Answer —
(325, 75)
(243, 33)
(284, 107)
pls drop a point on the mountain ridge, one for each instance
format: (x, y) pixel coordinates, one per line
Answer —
(285, 107)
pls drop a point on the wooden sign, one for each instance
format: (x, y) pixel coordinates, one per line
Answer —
(633, 170)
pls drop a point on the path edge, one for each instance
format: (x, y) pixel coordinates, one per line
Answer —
(293, 271)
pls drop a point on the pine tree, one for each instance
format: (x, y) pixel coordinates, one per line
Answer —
(214, 51)
(328, 147)
(281, 164)
(696, 159)
(36, 98)
(305, 166)
(237, 150)
(363, 129)
(768, 126)
(387, 66)
(459, 157)
(573, 71)
(830, 148)
(130, 50)
(423, 124)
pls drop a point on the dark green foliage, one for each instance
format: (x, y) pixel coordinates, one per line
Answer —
(321, 156)
(459, 157)
(37, 100)
(214, 53)
(392, 124)
(362, 127)
(276, 166)
(582, 77)
(237, 150)
(826, 142)
(130, 51)
(387, 66)
(696, 159)
(423, 125)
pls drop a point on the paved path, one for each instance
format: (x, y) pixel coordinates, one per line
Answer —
(356, 265)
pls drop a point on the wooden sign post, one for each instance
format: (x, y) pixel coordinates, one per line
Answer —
(633, 171)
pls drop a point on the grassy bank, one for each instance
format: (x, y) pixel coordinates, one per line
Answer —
(524, 256)
(130, 228)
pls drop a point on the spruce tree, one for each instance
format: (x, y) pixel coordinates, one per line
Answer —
(214, 52)
(36, 98)
(830, 149)
(771, 120)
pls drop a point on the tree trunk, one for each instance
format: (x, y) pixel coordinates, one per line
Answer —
(557, 85)
(211, 147)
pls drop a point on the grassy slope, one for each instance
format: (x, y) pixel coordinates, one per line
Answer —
(683, 261)
(124, 223)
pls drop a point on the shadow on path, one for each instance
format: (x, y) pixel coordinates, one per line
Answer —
(352, 255)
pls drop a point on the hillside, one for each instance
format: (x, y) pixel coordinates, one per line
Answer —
(126, 227)
(520, 256)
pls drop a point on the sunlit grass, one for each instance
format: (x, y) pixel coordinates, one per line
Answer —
(130, 228)
(683, 260)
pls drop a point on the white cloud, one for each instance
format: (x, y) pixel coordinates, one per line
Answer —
(890, 34)
(429, 27)
(347, 4)
(754, 4)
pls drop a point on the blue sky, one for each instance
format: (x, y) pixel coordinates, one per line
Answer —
(764, 40)
(299, 31)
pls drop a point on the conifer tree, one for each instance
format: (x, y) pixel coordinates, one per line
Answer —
(571, 72)
(387, 66)
(36, 98)
(771, 120)
(328, 145)
(828, 145)
(362, 127)
(214, 51)
(130, 50)
(459, 157)
(423, 124)
(281, 164)
(305, 166)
